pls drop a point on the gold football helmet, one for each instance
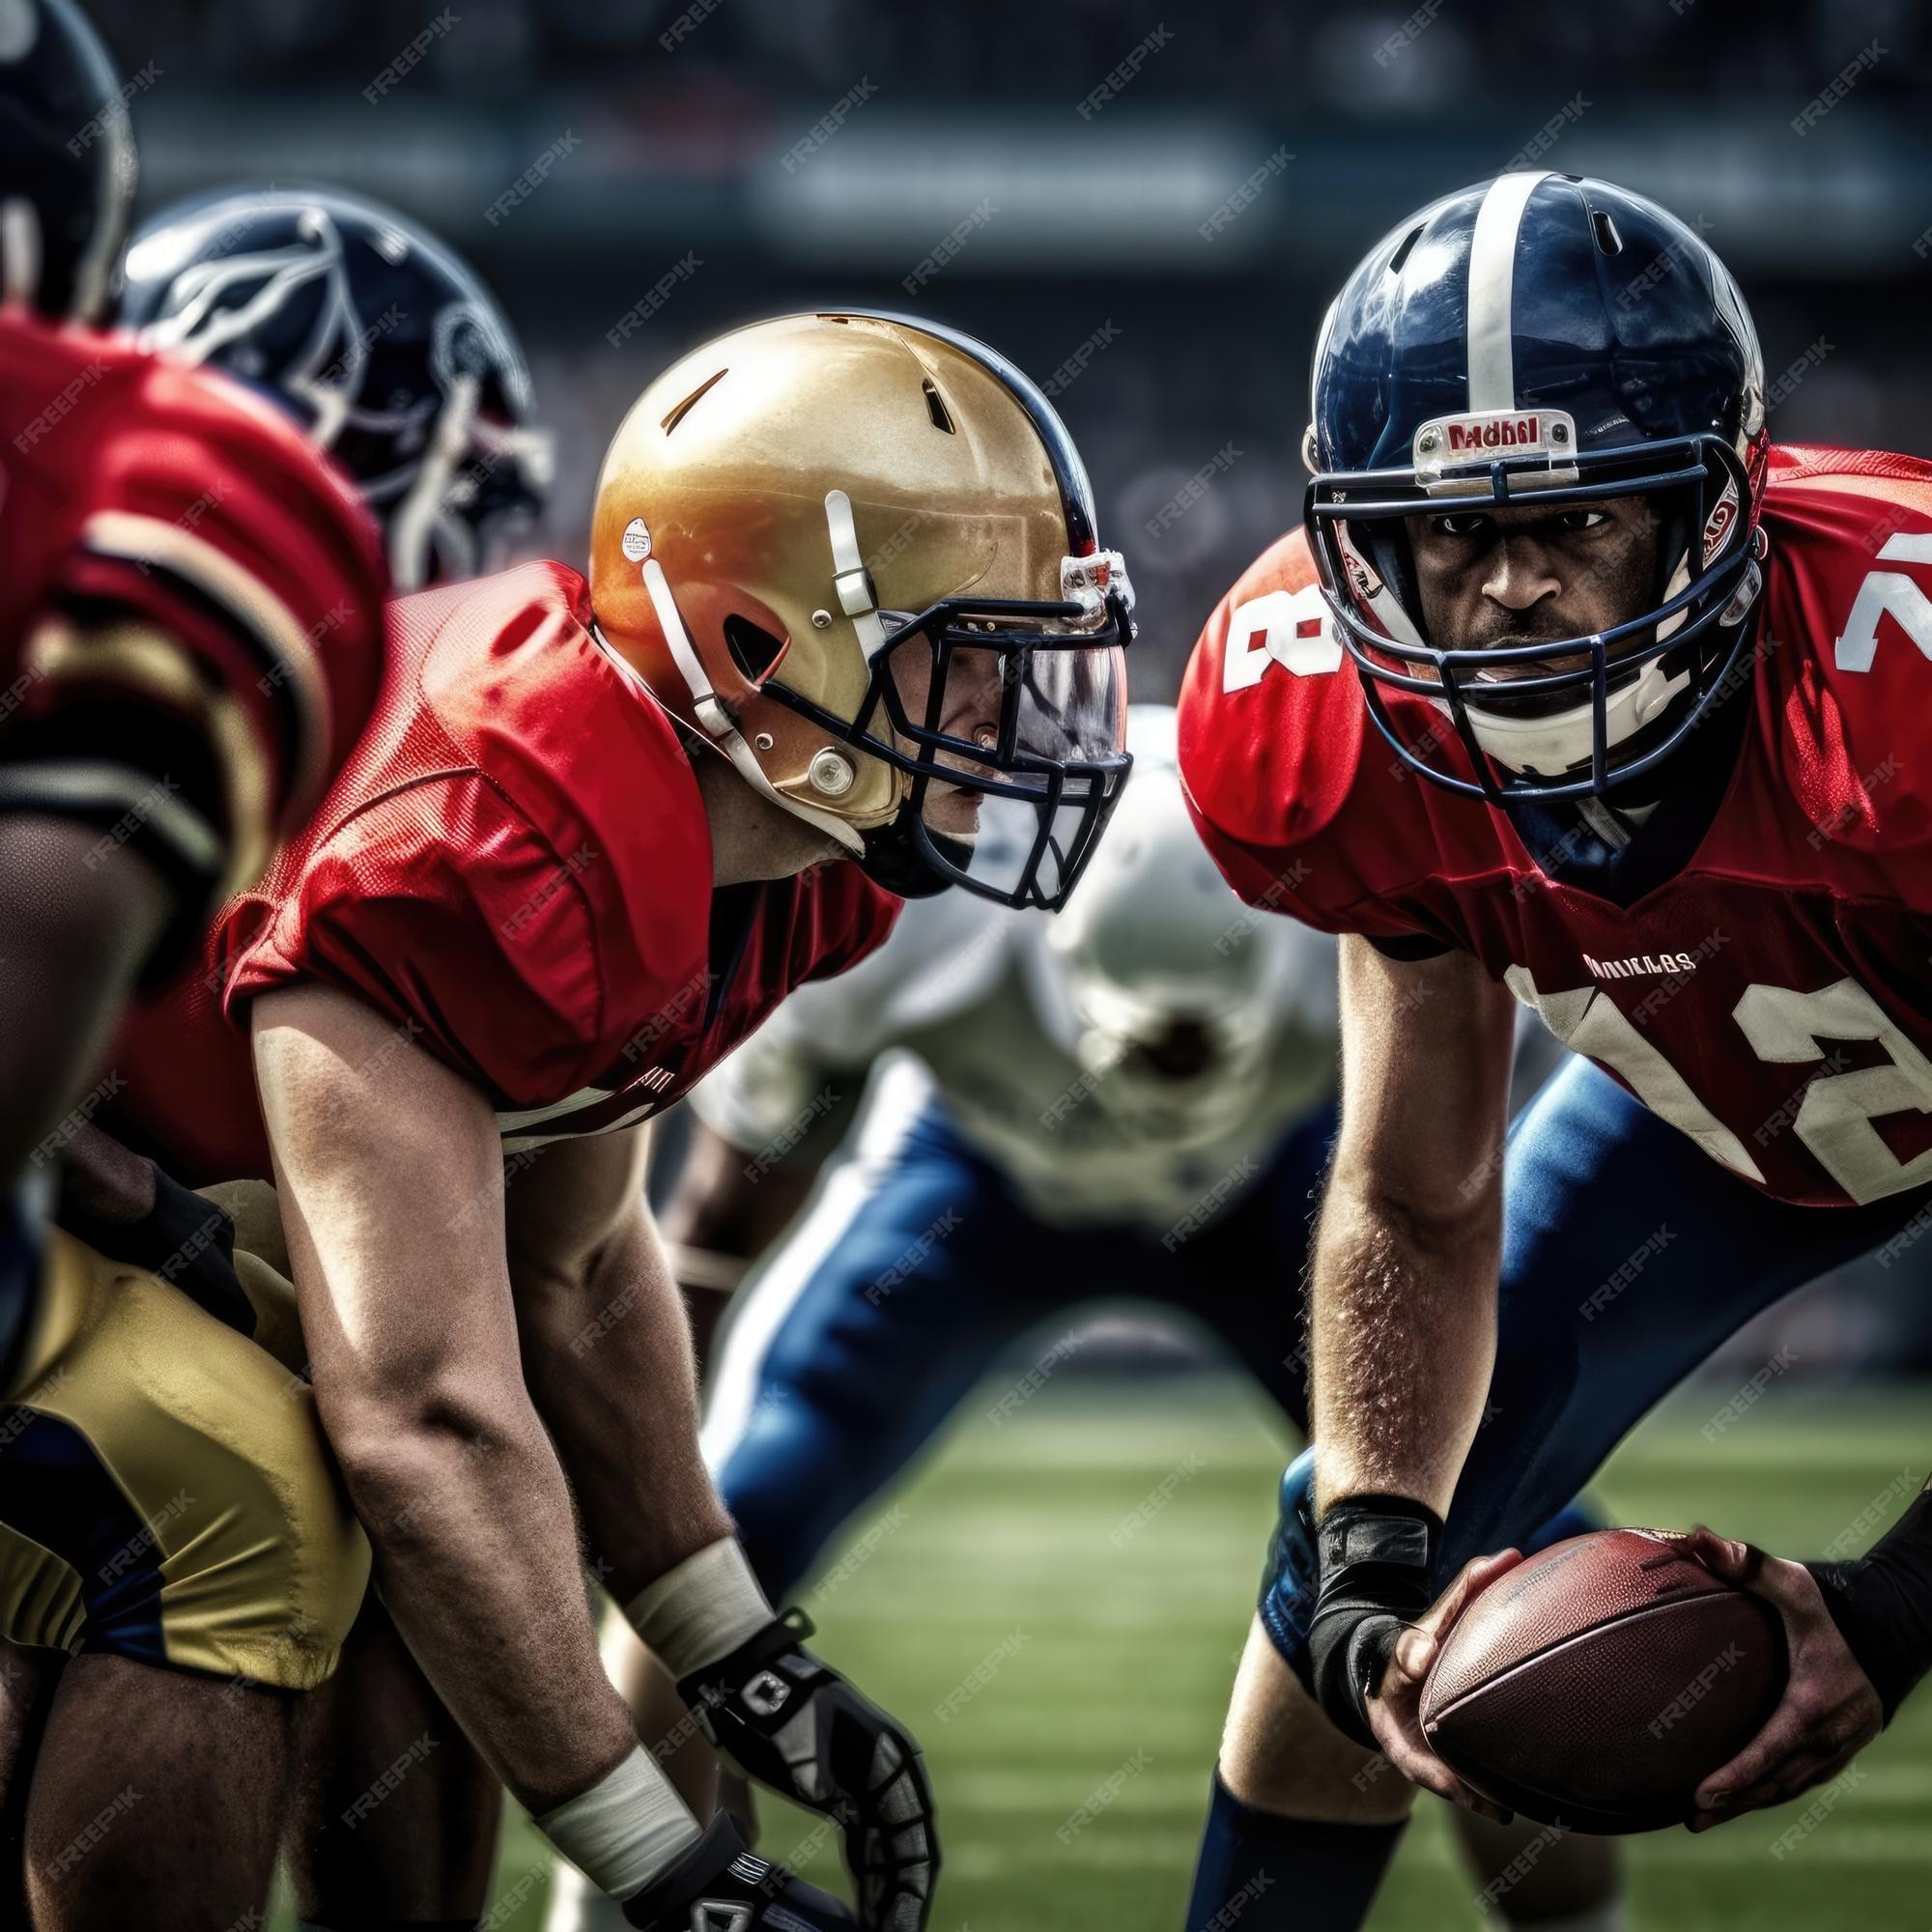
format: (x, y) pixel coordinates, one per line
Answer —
(857, 555)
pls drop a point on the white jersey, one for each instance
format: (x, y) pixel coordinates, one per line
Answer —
(971, 994)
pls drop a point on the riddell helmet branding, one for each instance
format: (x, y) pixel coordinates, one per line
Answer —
(1510, 431)
(1453, 443)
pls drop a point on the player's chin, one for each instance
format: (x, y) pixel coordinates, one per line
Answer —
(953, 809)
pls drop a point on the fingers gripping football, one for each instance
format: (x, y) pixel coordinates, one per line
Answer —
(1828, 1712)
(788, 1720)
(1395, 1711)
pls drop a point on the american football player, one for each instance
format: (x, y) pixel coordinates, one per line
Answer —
(394, 356)
(189, 640)
(1573, 691)
(844, 586)
(1134, 1099)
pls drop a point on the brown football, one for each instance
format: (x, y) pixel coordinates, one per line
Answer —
(1596, 1685)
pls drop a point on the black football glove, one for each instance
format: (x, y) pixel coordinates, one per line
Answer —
(790, 1722)
(717, 1886)
(1882, 1603)
(1375, 1556)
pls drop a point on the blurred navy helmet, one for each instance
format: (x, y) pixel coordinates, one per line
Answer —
(66, 161)
(382, 343)
(1538, 340)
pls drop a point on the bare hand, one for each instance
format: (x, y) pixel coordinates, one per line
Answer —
(1395, 1710)
(1828, 1712)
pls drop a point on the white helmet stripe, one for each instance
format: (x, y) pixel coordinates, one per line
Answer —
(1492, 281)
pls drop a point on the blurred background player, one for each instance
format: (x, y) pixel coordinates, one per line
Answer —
(378, 339)
(1133, 1101)
(189, 640)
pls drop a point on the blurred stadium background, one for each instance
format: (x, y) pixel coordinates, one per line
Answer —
(1148, 209)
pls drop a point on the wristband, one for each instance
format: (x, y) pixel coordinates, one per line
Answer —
(1376, 1555)
(1882, 1603)
(702, 1610)
(626, 1830)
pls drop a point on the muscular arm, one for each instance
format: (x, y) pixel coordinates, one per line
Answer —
(1408, 1250)
(608, 1351)
(391, 1180)
(1403, 1326)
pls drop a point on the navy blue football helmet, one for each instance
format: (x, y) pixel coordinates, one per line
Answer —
(66, 161)
(1539, 339)
(377, 338)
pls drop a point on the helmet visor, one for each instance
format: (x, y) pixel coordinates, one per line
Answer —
(1020, 700)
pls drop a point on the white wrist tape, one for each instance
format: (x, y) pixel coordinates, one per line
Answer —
(702, 1610)
(625, 1830)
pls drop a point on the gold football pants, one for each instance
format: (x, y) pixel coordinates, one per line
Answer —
(165, 1494)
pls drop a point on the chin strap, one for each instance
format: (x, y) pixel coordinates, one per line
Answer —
(719, 726)
(894, 858)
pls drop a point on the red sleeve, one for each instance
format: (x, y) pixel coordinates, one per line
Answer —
(213, 518)
(1298, 798)
(441, 907)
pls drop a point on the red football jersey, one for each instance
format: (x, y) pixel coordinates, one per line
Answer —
(515, 866)
(166, 537)
(1771, 996)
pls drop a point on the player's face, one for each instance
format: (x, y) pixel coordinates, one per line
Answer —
(970, 709)
(1488, 579)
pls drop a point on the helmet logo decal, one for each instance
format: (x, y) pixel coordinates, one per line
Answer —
(1718, 526)
(637, 540)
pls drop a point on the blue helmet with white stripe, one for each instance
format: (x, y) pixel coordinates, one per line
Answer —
(1536, 340)
(378, 338)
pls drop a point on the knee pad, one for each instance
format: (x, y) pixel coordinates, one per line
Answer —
(1288, 1579)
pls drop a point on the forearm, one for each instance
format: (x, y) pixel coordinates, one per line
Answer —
(726, 1205)
(608, 1354)
(389, 1171)
(1402, 1318)
(477, 1560)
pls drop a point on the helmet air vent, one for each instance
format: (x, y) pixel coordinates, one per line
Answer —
(1403, 247)
(935, 407)
(1606, 231)
(683, 408)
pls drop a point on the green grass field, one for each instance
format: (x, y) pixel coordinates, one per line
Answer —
(1075, 1640)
